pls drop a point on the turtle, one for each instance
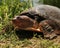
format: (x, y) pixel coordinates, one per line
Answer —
(42, 18)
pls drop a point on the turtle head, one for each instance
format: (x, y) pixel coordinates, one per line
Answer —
(22, 22)
(25, 23)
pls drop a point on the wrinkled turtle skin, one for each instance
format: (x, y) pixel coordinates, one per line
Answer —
(42, 18)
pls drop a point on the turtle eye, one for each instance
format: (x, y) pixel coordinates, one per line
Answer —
(18, 17)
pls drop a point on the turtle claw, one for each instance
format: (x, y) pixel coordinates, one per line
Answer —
(52, 36)
(46, 36)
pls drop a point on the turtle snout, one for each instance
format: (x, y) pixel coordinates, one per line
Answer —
(13, 20)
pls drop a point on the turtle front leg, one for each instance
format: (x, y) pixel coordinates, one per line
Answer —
(47, 29)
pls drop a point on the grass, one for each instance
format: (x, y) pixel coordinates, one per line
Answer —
(11, 40)
(27, 43)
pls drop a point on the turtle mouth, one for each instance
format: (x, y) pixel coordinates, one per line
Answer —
(33, 29)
